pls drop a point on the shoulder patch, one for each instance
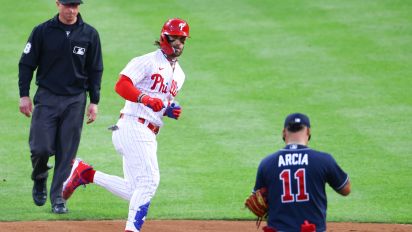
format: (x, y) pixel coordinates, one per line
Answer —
(27, 48)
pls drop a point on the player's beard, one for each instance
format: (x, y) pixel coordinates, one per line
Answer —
(177, 52)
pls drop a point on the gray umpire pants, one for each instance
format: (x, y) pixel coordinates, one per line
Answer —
(55, 129)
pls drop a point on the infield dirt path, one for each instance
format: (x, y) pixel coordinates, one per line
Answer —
(181, 226)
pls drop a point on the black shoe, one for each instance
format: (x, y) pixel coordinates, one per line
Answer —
(60, 208)
(39, 192)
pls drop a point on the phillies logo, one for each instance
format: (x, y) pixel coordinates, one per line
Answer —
(161, 86)
(181, 26)
(173, 88)
(158, 83)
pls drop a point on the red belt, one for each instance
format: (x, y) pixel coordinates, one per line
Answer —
(151, 126)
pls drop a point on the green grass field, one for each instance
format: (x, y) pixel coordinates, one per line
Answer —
(347, 64)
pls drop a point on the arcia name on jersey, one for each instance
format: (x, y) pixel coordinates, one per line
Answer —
(289, 159)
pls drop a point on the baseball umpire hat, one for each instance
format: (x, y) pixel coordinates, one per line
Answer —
(64, 2)
(296, 118)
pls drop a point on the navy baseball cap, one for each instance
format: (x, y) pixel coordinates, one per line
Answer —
(297, 118)
(64, 2)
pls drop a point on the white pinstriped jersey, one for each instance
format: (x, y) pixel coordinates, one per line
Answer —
(153, 75)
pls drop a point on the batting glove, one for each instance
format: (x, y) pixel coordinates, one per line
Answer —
(173, 111)
(154, 103)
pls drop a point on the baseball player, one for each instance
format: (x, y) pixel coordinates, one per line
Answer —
(149, 83)
(293, 181)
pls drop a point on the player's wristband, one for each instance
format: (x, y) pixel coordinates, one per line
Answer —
(139, 99)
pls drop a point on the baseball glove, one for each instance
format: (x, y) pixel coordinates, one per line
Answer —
(257, 202)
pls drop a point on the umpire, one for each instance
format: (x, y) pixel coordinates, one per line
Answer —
(67, 54)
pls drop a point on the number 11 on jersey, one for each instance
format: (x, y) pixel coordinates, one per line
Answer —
(300, 178)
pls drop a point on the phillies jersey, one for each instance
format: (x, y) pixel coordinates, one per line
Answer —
(295, 178)
(153, 75)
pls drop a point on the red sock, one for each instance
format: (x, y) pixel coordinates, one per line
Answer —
(89, 175)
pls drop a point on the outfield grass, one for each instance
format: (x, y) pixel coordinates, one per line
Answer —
(347, 64)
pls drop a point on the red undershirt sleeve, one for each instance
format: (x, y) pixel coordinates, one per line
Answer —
(125, 88)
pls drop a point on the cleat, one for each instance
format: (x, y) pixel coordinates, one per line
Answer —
(59, 208)
(75, 178)
(39, 192)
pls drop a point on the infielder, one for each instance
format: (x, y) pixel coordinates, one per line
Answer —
(149, 84)
(292, 182)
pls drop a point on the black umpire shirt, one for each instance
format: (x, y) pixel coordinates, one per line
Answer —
(68, 59)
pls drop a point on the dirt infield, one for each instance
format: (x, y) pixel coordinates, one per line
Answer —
(181, 226)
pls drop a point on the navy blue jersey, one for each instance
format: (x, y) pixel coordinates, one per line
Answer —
(295, 178)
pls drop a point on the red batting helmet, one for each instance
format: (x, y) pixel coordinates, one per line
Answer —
(174, 26)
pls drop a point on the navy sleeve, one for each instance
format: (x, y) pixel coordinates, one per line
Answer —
(260, 180)
(336, 177)
(29, 61)
(95, 69)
